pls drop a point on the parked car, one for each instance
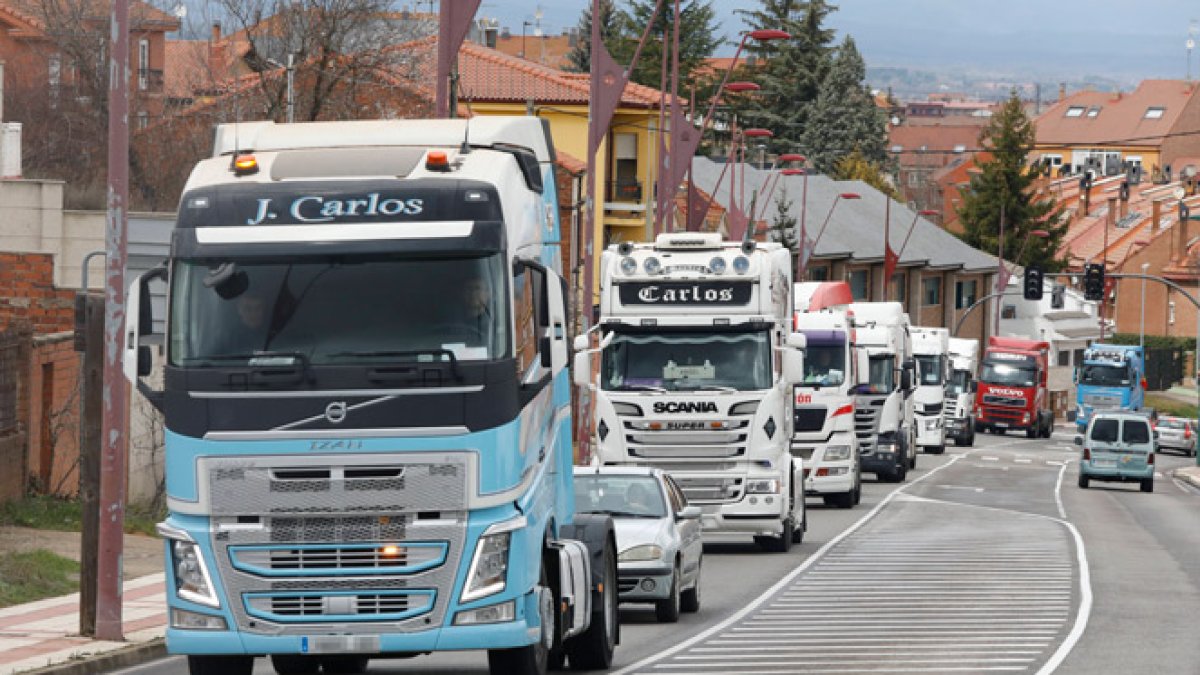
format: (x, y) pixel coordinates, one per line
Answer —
(658, 535)
(1118, 446)
(1177, 433)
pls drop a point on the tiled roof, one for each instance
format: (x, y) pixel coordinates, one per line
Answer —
(487, 75)
(1119, 117)
(548, 50)
(185, 67)
(141, 14)
(933, 144)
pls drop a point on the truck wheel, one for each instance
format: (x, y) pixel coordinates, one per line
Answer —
(531, 659)
(781, 543)
(593, 649)
(667, 611)
(1034, 431)
(971, 438)
(220, 665)
(351, 665)
(858, 487)
(295, 664)
(938, 449)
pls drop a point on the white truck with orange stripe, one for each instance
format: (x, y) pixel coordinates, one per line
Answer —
(823, 405)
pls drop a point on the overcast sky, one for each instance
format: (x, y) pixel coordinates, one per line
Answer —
(1047, 38)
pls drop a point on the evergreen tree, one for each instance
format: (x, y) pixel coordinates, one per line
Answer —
(579, 59)
(788, 71)
(1005, 183)
(855, 166)
(697, 39)
(783, 225)
(844, 117)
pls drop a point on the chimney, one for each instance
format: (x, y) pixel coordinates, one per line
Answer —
(1062, 90)
(1110, 221)
(10, 149)
(489, 36)
(216, 31)
(216, 55)
(1124, 200)
(1155, 216)
(1179, 239)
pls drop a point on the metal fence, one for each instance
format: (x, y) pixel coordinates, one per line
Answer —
(1164, 367)
(11, 342)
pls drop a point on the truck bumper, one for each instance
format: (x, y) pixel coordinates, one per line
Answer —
(644, 583)
(958, 427)
(930, 432)
(839, 478)
(760, 517)
(518, 633)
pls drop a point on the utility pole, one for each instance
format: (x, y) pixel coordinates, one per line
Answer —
(115, 421)
(89, 339)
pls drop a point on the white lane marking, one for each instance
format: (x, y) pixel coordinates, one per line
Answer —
(787, 578)
(1023, 460)
(961, 487)
(1085, 589)
(989, 458)
(1062, 469)
(1055, 462)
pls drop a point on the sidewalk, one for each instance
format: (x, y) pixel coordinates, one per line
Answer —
(43, 636)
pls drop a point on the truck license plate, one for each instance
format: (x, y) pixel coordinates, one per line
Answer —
(340, 644)
(1001, 425)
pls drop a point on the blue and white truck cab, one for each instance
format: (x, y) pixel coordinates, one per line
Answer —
(697, 361)
(1111, 377)
(367, 403)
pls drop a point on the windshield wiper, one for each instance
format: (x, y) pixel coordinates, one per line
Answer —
(641, 387)
(409, 355)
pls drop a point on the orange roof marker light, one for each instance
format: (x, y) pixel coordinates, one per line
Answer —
(437, 160)
(245, 165)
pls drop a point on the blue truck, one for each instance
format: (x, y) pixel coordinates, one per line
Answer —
(366, 398)
(1111, 377)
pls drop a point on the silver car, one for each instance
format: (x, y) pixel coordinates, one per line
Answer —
(658, 535)
(1178, 434)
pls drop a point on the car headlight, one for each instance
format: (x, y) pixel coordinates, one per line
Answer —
(192, 581)
(886, 446)
(762, 486)
(489, 567)
(837, 453)
(641, 553)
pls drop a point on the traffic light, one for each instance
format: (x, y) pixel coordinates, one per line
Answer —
(1093, 281)
(1057, 300)
(1033, 282)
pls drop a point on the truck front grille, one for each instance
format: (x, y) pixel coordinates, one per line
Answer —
(931, 408)
(362, 559)
(809, 418)
(361, 606)
(866, 422)
(991, 399)
(686, 439)
(1102, 400)
(710, 490)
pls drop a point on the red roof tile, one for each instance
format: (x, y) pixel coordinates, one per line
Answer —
(1120, 117)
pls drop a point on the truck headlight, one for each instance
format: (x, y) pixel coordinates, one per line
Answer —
(933, 424)
(641, 553)
(489, 567)
(837, 453)
(192, 581)
(886, 446)
(744, 408)
(762, 486)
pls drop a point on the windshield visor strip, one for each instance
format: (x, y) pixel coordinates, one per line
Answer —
(257, 234)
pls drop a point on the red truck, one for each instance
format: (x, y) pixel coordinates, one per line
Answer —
(1012, 388)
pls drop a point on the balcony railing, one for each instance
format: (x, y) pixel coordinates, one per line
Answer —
(624, 191)
(150, 80)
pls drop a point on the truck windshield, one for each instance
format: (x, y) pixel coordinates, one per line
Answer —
(882, 375)
(1105, 376)
(688, 360)
(824, 365)
(1005, 373)
(960, 381)
(338, 310)
(930, 369)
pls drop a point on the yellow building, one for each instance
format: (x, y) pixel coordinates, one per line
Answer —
(1154, 127)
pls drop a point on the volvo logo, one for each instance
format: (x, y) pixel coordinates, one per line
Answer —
(335, 412)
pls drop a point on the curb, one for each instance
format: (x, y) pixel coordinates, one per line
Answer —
(108, 661)
(1189, 475)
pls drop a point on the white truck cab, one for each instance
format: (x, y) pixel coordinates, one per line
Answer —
(697, 361)
(883, 405)
(823, 402)
(960, 391)
(930, 351)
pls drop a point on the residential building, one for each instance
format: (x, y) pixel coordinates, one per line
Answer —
(536, 46)
(1105, 133)
(36, 49)
(921, 150)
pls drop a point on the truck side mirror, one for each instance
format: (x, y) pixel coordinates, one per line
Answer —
(793, 364)
(906, 380)
(145, 360)
(581, 372)
(139, 322)
(581, 343)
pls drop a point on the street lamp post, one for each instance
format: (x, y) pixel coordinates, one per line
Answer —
(524, 25)
(1142, 330)
(838, 198)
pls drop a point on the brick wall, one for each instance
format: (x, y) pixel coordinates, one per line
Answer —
(14, 391)
(27, 293)
(53, 458)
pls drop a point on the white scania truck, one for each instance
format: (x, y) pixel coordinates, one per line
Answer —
(960, 391)
(823, 402)
(883, 405)
(930, 349)
(697, 361)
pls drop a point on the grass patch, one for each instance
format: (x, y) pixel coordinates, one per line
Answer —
(55, 513)
(1165, 405)
(34, 575)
